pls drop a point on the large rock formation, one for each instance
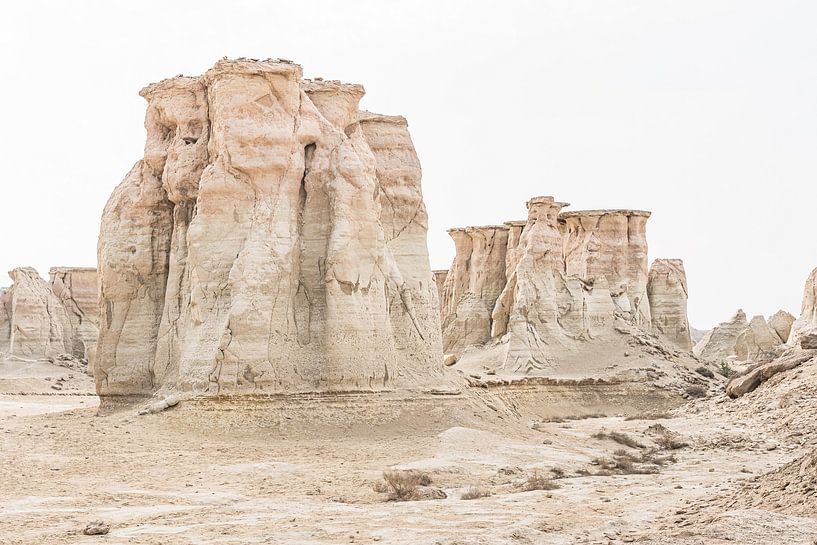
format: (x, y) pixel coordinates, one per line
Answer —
(781, 322)
(271, 240)
(667, 292)
(559, 292)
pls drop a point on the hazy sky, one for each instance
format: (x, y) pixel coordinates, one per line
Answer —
(702, 111)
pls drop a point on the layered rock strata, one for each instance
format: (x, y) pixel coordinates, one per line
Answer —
(530, 295)
(37, 319)
(271, 240)
(667, 293)
(77, 289)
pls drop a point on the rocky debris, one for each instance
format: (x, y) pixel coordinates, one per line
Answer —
(781, 322)
(271, 240)
(755, 376)
(163, 404)
(808, 339)
(96, 528)
(667, 293)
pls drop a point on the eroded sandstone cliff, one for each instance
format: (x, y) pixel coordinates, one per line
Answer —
(667, 293)
(552, 293)
(271, 240)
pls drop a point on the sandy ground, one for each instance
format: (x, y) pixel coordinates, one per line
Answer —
(302, 471)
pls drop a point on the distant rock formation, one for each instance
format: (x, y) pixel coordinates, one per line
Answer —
(271, 240)
(41, 320)
(529, 296)
(667, 292)
(743, 340)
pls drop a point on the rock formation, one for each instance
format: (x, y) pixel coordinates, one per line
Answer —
(530, 296)
(781, 322)
(721, 342)
(271, 240)
(44, 320)
(667, 293)
(806, 324)
(76, 288)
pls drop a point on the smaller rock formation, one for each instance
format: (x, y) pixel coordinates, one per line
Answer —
(667, 292)
(806, 324)
(760, 342)
(45, 320)
(721, 343)
(781, 322)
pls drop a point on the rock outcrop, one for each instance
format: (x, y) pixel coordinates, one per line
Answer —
(667, 293)
(77, 289)
(36, 323)
(806, 323)
(781, 322)
(721, 342)
(558, 294)
(271, 240)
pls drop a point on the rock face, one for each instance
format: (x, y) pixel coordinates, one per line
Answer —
(76, 288)
(528, 296)
(271, 240)
(781, 322)
(741, 340)
(667, 293)
(806, 324)
(34, 322)
(721, 342)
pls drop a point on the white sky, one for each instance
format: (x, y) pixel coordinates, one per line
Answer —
(703, 111)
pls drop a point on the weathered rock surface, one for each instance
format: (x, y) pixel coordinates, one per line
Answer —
(562, 294)
(272, 239)
(77, 290)
(807, 321)
(667, 292)
(781, 322)
(35, 323)
(760, 342)
(721, 342)
(747, 382)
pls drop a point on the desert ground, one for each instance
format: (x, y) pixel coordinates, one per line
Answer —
(617, 464)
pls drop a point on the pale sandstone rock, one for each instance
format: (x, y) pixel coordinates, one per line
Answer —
(77, 290)
(5, 320)
(807, 321)
(473, 285)
(272, 239)
(761, 342)
(722, 341)
(667, 293)
(439, 279)
(781, 322)
(38, 324)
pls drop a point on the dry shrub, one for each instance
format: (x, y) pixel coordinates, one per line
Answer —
(475, 494)
(696, 390)
(704, 372)
(557, 472)
(669, 440)
(618, 437)
(402, 485)
(649, 416)
(538, 481)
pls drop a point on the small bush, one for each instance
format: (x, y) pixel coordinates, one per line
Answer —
(668, 440)
(726, 370)
(557, 472)
(402, 485)
(475, 494)
(696, 390)
(624, 439)
(538, 481)
(703, 371)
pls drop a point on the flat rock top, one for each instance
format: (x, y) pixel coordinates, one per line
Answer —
(613, 211)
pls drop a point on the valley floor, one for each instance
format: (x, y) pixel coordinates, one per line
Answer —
(304, 471)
